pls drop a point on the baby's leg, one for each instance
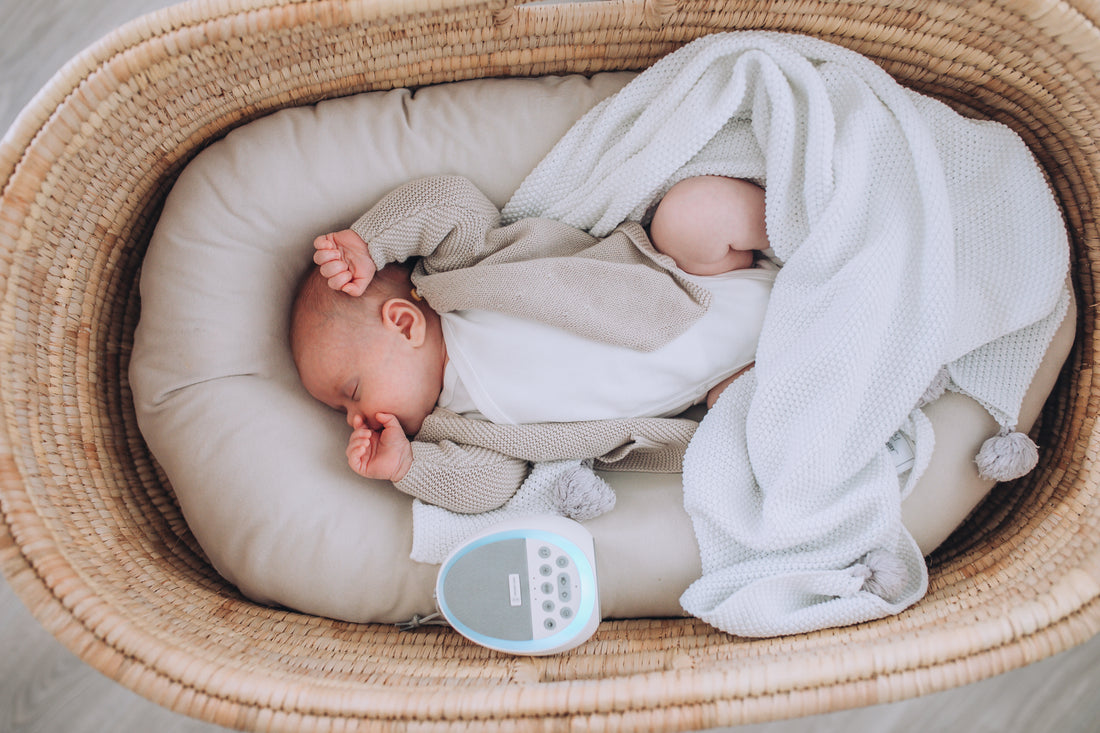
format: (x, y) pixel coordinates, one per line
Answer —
(710, 224)
(716, 391)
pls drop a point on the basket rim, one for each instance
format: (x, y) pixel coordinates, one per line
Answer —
(1067, 614)
(172, 20)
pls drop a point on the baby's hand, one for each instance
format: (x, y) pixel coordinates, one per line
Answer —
(344, 261)
(384, 454)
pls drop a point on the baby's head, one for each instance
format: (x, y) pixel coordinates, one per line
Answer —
(379, 352)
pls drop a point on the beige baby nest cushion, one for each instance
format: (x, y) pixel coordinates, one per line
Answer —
(258, 466)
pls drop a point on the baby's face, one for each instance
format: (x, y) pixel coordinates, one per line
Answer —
(366, 376)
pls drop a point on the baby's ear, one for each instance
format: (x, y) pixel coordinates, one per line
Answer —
(404, 317)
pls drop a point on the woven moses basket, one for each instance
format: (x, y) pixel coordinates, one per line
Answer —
(92, 538)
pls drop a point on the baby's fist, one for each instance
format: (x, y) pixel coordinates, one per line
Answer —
(344, 261)
(381, 454)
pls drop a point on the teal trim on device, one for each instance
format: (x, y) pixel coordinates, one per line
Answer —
(524, 587)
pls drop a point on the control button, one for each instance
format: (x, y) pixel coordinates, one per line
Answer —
(547, 588)
(544, 552)
(550, 624)
(545, 570)
(566, 612)
(562, 561)
(563, 580)
(548, 606)
(564, 595)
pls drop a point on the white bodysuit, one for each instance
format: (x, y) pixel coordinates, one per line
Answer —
(512, 371)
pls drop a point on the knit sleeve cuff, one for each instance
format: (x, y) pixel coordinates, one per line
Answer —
(462, 479)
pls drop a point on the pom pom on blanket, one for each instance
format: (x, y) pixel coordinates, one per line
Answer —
(1007, 455)
(580, 494)
(883, 573)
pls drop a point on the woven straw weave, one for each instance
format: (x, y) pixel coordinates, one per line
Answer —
(92, 538)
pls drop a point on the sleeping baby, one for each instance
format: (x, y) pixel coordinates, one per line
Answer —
(505, 346)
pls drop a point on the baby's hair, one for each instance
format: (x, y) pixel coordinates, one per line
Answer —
(313, 297)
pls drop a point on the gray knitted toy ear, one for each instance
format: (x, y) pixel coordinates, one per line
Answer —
(1007, 455)
(580, 494)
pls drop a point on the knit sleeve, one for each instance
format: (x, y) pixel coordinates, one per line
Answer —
(443, 217)
(460, 478)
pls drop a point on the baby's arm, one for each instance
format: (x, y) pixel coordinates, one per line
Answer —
(443, 217)
(462, 478)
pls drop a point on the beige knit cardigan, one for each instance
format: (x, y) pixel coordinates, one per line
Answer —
(617, 290)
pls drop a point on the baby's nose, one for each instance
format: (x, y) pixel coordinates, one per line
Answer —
(355, 420)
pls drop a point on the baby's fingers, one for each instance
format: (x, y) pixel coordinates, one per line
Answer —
(333, 266)
(321, 256)
(355, 449)
(338, 275)
(389, 422)
(325, 244)
(359, 441)
(359, 451)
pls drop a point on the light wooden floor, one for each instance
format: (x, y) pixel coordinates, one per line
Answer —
(45, 689)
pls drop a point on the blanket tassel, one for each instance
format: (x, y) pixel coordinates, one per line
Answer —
(1007, 455)
(936, 389)
(883, 573)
